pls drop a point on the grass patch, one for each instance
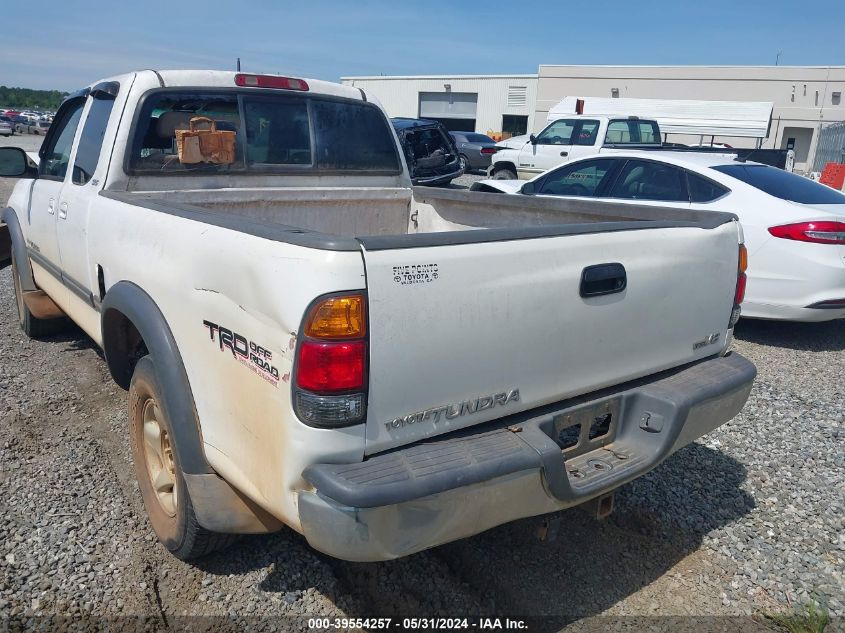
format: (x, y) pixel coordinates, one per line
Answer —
(811, 617)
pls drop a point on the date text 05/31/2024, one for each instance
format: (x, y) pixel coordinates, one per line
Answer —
(421, 624)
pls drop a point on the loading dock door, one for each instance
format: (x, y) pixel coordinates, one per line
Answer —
(455, 110)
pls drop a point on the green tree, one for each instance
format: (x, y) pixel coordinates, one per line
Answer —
(28, 99)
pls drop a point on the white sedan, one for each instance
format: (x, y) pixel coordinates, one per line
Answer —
(794, 227)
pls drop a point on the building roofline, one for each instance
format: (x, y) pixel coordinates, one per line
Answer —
(528, 76)
(818, 67)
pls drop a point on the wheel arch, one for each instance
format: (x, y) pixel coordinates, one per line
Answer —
(505, 164)
(133, 325)
(131, 317)
(12, 242)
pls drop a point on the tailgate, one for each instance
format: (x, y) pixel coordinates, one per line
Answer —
(467, 332)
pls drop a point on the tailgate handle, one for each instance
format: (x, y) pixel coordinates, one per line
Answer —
(603, 279)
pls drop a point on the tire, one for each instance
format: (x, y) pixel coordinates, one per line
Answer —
(32, 326)
(465, 163)
(156, 466)
(504, 174)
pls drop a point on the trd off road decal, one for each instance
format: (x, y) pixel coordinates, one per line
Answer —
(254, 356)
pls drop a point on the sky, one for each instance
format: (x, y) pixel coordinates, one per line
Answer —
(68, 44)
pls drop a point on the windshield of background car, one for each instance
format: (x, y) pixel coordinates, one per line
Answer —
(261, 132)
(632, 131)
(782, 184)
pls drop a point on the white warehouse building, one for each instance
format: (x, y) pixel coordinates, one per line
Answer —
(467, 103)
(804, 99)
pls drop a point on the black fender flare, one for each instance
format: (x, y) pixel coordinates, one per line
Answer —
(18, 249)
(125, 299)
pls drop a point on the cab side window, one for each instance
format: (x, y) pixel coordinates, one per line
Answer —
(91, 140)
(558, 133)
(587, 133)
(55, 157)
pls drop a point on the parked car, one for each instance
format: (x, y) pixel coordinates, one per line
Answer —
(21, 123)
(475, 149)
(384, 368)
(794, 228)
(40, 127)
(429, 151)
(7, 128)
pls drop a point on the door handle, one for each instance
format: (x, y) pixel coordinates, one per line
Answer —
(51, 206)
(603, 279)
(564, 153)
(63, 210)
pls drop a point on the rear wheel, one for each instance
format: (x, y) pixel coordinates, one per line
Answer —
(160, 478)
(503, 173)
(32, 326)
(465, 164)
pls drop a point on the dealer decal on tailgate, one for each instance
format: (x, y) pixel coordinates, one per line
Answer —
(254, 356)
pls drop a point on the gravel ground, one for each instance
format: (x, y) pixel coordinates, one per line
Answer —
(747, 520)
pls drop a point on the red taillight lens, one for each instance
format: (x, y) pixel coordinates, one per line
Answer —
(816, 232)
(270, 81)
(739, 295)
(331, 367)
(488, 150)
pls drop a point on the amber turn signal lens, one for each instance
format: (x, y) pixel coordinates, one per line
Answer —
(743, 258)
(337, 318)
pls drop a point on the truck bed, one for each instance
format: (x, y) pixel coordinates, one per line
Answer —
(343, 218)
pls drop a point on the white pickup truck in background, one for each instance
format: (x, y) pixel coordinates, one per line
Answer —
(570, 138)
(309, 341)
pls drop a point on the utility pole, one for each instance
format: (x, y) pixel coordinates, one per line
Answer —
(239, 64)
(777, 58)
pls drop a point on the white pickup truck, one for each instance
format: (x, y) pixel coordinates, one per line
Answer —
(309, 341)
(571, 138)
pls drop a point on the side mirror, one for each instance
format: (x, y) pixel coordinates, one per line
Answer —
(532, 139)
(529, 189)
(14, 163)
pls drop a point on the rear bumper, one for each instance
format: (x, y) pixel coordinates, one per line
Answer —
(439, 491)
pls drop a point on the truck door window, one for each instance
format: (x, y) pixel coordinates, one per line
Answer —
(56, 155)
(581, 179)
(647, 180)
(587, 133)
(558, 133)
(91, 140)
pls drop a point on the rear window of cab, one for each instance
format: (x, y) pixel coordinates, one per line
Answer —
(272, 133)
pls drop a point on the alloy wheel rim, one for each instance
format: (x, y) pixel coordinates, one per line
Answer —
(158, 455)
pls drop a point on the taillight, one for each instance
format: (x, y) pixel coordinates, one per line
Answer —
(270, 81)
(741, 282)
(330, 367)
(488, 150)
(329, 387)
(816, 232)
